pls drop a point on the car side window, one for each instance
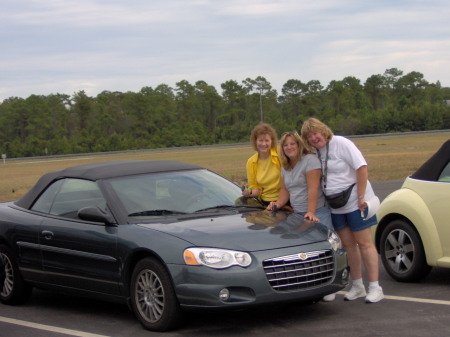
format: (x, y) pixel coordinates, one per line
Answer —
(44, 203)
(445, 175)
(66, 196)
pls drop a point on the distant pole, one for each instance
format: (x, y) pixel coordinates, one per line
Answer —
(260, 104)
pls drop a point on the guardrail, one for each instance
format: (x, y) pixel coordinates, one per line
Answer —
(202, 146)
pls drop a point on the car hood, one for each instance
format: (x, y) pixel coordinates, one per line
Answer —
(250, 231)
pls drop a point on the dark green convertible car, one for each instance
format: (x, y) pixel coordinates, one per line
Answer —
(162, 237)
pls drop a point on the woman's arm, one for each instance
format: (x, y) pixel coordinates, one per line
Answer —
(253, 190)
(283, 198)
(313, 182)
(362, 174)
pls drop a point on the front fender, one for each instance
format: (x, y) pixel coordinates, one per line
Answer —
(407, 205)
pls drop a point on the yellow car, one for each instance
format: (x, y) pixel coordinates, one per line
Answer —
(413, 232)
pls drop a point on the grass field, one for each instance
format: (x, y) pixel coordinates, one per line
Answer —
(389, 158)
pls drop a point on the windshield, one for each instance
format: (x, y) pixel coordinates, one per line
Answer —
(175, 193)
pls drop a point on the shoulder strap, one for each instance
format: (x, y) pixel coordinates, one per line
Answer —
(324, 167)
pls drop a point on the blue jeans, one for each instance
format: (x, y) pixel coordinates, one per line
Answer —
(324, 215)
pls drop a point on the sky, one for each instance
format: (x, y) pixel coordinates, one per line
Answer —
(67, 46)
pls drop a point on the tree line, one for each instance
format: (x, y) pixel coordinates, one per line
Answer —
(197, 114)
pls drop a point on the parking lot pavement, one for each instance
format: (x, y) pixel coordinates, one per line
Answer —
(384, 188)
(400, 314)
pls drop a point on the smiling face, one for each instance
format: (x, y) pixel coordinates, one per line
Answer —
(290, 148)
(264, 144)
(315, 133)
(316, 139)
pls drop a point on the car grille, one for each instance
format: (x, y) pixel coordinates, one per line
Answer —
(300, 271)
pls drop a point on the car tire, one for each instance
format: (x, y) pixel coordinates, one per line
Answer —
(402, 252)
(153, 298)
(14, 289)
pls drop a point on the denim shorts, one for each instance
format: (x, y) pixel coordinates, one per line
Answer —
(353, 220)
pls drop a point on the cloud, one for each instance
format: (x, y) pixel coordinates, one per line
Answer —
(52, 46)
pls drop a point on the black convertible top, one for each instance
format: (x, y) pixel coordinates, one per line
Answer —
(432, 168)
(103, 170)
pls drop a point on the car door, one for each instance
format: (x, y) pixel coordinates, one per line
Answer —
(25, 237)
(439, 208)
(76, 253)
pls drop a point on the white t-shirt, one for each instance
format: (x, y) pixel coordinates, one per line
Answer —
(344, 158)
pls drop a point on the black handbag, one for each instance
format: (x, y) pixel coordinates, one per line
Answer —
(339, 200)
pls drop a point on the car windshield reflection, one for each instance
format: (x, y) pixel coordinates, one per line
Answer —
(174, 193)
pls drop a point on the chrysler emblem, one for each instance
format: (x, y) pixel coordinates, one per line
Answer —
(303, 256)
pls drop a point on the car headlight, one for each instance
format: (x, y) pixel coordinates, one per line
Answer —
(334, 240)
(216, 258)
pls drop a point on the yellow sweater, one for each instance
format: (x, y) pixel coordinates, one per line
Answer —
(265, 175)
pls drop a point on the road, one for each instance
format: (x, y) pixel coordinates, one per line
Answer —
(416, 309)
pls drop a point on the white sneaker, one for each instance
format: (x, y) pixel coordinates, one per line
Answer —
(354, 293)
(375, 295)
(329, 298)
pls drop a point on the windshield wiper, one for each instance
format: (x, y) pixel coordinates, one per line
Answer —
(226, 206)
(155, 212)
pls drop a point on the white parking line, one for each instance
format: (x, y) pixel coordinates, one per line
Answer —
(86, 334)
(409, 299)
(49, 328)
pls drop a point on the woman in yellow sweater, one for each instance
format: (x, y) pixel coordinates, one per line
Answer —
(264, 167)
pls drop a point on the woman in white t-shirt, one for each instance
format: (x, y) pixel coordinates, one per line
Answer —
(344, 168)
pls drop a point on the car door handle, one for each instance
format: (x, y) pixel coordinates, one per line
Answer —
(48, 235)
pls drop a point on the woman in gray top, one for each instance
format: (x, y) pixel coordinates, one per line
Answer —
(300, 183)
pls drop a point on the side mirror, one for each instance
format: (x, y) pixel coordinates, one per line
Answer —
(95, 214)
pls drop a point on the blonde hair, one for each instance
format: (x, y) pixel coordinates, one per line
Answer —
(314, 125)
(287, 163)
(263, 129)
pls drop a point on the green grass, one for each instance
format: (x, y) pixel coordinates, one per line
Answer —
(389, 158)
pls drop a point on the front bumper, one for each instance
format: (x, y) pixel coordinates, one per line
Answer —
(201, 287)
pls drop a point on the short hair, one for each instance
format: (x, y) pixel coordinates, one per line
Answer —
(314, 125)
(302, 150)
(263, 129)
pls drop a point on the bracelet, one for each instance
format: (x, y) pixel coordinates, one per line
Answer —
(360, 196)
